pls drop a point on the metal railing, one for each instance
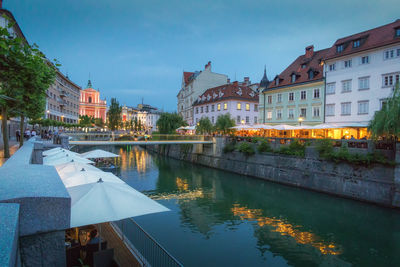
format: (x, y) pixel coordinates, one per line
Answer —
(149, 249)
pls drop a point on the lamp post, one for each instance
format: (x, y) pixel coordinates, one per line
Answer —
(300, 120)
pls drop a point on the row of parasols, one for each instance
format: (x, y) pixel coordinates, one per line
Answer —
(97, 196)
(286, 127)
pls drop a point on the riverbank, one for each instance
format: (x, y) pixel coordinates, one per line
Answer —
(378, 184)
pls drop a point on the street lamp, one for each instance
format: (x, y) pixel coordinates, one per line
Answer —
(242, 121)
(300, 120)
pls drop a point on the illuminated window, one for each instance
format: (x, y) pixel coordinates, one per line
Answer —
(269, 115)
(219, 107)
(225, 106)
(239, 106)
(247, 107)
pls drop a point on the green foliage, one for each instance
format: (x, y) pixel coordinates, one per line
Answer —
(86, 121)
(204, 126)
(324, 148)
(99, 122)
(246, 148)
(296, 148)
(264, 146)
(224, 123)
(228, 148)
(114, 114)
(169, 122)
(386, 122)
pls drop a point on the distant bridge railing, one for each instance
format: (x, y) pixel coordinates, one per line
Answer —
(149, 249)
(109, 136)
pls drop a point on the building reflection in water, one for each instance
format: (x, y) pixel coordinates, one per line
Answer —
(134, 157)
(286, 229)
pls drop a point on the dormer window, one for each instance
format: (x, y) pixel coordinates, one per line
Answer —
(310, 74)
(293, 78)
(397, 32)
(277, 81)
(356, 43)
(339, 48)
(303, 66)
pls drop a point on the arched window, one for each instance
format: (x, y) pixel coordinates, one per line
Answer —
(90, 99)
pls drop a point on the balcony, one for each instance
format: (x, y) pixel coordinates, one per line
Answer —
(63, 93)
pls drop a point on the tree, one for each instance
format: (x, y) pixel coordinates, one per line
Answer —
(99, 122)
(86, 121)
(224, 123)
(169, 122)
(114, 115)
(386, 122)
(204, 126)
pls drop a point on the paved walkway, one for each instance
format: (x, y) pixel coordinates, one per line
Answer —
(13, 147)
(122, 254)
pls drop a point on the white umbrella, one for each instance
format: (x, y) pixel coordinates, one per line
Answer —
(263, 126)
(241, 127)
(53, 151)
(98, 153)
(61, 153)
(61, 160)
(73, 167)
(282, 127)
(87, 177)
(105, 202)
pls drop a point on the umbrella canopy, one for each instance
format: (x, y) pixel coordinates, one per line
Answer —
(61, 153)
(65, 159)
(285, 127)
(242, 127)
(87, 177)
(69, 168)
(98, 153)
(263, 126)
(106, 201)
(53, 151)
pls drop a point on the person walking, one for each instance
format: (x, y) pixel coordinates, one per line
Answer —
(18, 135)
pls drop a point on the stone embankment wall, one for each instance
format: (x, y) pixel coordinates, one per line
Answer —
(377, 184)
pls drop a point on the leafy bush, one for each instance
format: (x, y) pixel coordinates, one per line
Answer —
(246, 149)
(296, 148)
(228, 148)
(264, 146)
(325, 148)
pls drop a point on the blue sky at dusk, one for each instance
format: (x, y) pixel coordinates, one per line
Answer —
(134, 49)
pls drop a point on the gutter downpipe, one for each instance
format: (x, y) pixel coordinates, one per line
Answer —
(324, 94)
(264, 107)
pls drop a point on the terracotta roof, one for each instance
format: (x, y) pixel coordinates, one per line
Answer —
(227, 91)
(311, 63)
(186, 76)
(377, 37)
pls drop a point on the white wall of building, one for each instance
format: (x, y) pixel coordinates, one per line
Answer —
(375, 71)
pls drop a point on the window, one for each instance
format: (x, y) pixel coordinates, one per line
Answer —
(346, 108)
(339, 48)
(206, 109)
(269, 115)
(383, 102)
(346, 86)
(293, 78)
(398, 32)
(247, 107)
(197, 110)
(291, 113)
(291, 96)
(255, 107)
(310, 74)
(364, 60)
(201, 109)
(225, 106)
(356, 43)
(279, 114)
(389, 54)
(390, 79)
(363, 83)
(303, 112)
(363, 107)
(239, 106)
(238, 119)
(212, 119)
(398, 52)
(330, 88)
(197, 120)
(279, 98)
(316, 93)
(277, 81)
(316, 111)
(218, 107)
(347, 63)
(270, 99)
(212, 108)
(303, 95)
(255, 120)
(90, 99)
(332, 67)
(247, 119)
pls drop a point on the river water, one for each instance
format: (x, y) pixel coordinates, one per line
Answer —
(219, 218)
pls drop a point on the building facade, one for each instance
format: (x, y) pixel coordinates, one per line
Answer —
(62, 102)
(239, 100)
(91, 104)
(193, 85)
(297, 94)
(361, 71)
(145, 114)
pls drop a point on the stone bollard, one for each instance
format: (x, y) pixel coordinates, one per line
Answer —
(396, 195)
(64, 141)
(37, 154)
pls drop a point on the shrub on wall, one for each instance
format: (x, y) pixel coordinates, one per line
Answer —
(246, 149)
(264, 147)
(228, 148)
(296, 148)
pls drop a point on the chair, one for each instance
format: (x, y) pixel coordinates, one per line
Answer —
(73, 255)
(91, 249)
(104, 258)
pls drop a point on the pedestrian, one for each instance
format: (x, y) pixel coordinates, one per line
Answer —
(27, 134)
(33, 133)
(18, 135)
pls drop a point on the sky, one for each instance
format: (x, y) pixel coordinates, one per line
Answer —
(136, 50)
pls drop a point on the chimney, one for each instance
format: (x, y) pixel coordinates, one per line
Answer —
(235, 83)
(228, 80)
(246, 80)
(208, 66)
(309, 51)
(1, 4)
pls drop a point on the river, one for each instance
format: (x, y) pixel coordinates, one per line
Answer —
(219, 218)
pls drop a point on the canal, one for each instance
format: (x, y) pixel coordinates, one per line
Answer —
(222, 219)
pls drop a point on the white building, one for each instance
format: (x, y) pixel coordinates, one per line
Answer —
(239, 100)
(361, 71)
(145, 114)
(193, 85)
